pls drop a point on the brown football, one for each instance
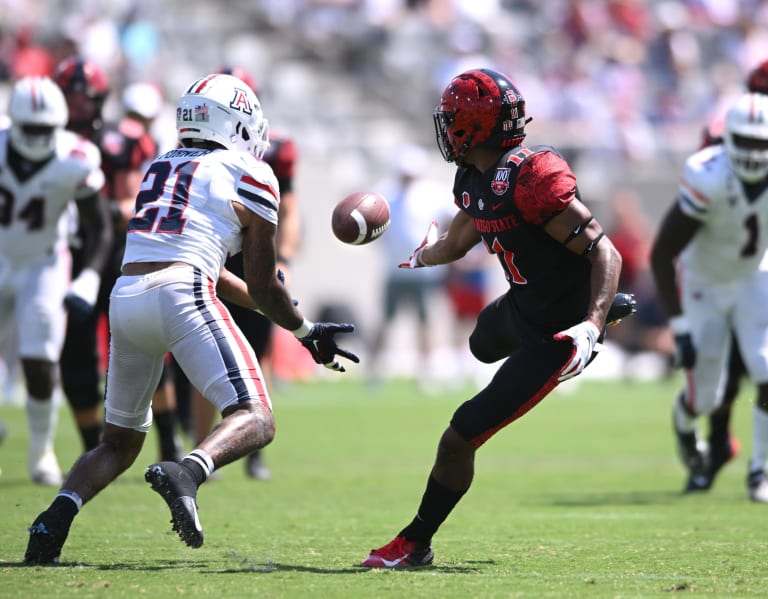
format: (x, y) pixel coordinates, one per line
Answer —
(360, 218)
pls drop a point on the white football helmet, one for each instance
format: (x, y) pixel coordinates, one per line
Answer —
(223, 109)
(37, 109)
(746, 137)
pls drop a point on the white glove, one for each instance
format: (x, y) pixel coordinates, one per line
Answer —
(82, 294)
(584, 337)
(415, 260)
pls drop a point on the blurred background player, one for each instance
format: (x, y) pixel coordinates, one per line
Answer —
(414, 201)
(281, 155)
(722, 446)
(710, 268)
(126, 147)
(44, 170)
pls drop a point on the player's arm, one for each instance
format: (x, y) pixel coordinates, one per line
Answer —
(676, 232)
(125, 185)
(288, 230)
(460, 237)
(97, 227)
(577, 229)
(267, 292)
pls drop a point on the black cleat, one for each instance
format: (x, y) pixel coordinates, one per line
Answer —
(624, 304)
(719, 456)
(174, 484)
(46, 538)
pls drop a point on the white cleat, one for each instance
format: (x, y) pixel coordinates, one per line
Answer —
(759, 492)
(44, 468)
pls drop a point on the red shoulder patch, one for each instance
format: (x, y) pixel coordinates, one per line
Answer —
(545, 187)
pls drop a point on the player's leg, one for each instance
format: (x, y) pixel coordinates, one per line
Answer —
(133, 377)
(41, 325)
(521, 383)
(757, 477)
(703, 392)
(165, 418)
(218, 361)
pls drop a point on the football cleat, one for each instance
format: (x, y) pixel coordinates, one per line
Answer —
(624, 304)
(255, 467)
(46, 539)
(718, 457)
(44, 467)
(757, 483)
(172, 482)
(399, 553)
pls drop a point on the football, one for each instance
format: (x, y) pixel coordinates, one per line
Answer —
(360, 218)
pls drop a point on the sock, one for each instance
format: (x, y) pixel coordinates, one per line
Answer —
(66, 505)
(759, 440)
(91, 436)
(685, 422)
(166, 429)
(199, 464)
(436, 503)
(42, 416)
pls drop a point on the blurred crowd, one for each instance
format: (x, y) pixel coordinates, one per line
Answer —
(622, 88)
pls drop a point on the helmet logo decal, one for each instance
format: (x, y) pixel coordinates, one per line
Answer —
(500, 183)
(240, 102)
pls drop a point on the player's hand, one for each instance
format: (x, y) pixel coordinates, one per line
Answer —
(685, 352)
(584, 338)
(321, 344)
(81, 297)
(415, 260)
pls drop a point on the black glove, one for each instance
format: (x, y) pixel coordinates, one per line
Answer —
(685, 353)
(321, 344)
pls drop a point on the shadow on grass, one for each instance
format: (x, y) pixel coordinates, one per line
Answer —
(619, 498)
(255, 568)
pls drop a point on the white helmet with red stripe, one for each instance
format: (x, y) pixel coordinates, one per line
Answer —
(37, 109)
(746, 137)
(223, 109)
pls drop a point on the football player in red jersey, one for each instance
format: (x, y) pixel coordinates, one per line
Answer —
(522, 203)
(126, 147)
(281, 156)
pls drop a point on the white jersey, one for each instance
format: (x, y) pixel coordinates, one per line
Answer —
(184, 209)
(734, 234)
(34, 219)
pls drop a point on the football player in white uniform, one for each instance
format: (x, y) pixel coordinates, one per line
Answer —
(198, 204)
(710, 268)
(45, 168)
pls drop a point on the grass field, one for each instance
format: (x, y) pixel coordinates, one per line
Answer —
(581, 498)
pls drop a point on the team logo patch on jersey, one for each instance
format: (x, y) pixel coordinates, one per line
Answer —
(201, 113)
(500, 183)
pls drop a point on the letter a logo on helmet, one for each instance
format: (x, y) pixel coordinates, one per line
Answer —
(240, 102)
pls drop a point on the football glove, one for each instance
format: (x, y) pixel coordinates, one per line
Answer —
(685, 352)
(415, 260)
(81, 297)
(320, 343)
(584, 338)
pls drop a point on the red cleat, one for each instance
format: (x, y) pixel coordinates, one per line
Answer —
(399, 553)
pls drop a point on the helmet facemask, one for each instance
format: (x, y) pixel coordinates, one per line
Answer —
(746, 137)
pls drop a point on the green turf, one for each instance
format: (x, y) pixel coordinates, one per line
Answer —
(581, 498)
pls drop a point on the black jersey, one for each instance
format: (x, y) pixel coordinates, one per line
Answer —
(510, 204)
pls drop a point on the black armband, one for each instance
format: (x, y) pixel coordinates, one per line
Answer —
(578, 230)
(593, 244)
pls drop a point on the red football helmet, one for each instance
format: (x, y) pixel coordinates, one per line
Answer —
(241, 74)
(479, 108)
(85, 87)
(757, 82)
